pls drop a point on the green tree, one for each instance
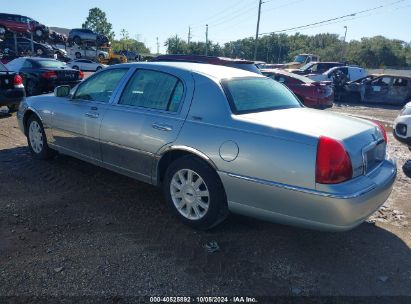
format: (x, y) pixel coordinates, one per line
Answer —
(97, 22)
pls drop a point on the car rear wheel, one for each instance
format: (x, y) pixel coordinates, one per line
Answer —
(32, 88)
(36, 139)
(39, 52)
(76, 67)
(195, 194)
(13, 107)
(101, 56)
(2, 30)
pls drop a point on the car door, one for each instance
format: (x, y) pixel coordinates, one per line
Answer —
(377, 89)
(76, 120)
(398, 92)
(148, 114)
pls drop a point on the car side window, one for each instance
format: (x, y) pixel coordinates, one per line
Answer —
(153, 90)
(101, 86)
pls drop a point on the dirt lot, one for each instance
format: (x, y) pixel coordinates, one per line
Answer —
(68, 228)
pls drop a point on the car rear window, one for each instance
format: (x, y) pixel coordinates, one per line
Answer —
(248, 95)
(2, 68)
(50, 64)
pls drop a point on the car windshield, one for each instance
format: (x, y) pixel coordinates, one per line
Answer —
(248, 95)
(300, 58)
(50, 64)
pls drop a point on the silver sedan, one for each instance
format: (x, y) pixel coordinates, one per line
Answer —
(218, 139)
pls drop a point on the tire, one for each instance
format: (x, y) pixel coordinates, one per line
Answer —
(32, 88)
(13, 107)
(101, 56)
(98, 68)
(37, 140)
(39, 33)
(77, 40)
(39, 52)
(197, 211)
(76, 67)
(78, 55)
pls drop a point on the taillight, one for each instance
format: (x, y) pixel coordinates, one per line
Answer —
(81, 75)
(17, 81)
(382, 130)
(49, 75)
(333, 164)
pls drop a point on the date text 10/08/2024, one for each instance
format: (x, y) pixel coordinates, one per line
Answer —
(203, 300)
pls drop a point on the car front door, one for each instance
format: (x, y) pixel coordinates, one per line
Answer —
(76, 120)
(148, 114)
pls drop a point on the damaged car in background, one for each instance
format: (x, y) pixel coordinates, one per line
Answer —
(218, 139)
(312, 94)
(386, 89)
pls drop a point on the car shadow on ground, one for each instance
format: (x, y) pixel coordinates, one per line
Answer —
(74, 215)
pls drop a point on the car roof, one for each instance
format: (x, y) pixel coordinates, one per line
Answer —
(201, 58)
(211, 70)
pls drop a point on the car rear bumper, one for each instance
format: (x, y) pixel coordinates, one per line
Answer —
(339, 210)
(11, 96)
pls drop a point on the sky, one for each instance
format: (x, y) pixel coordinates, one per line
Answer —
(228, 20)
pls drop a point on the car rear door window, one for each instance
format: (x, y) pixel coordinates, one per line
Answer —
(101, 86)
(153, 90)
(247, 95)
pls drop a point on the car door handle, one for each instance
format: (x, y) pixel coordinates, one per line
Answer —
(92, 115)
(162, 127)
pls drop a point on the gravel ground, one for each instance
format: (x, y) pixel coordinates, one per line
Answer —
(68, 228)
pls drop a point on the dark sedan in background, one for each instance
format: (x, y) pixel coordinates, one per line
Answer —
(11, 88)
(311, 93)
(42, 75)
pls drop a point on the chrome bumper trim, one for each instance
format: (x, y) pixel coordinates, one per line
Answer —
(303, 190)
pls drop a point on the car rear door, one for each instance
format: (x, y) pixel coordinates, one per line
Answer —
(76, 121)
(147, 115)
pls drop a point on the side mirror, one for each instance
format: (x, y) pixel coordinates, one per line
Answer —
(62, 91)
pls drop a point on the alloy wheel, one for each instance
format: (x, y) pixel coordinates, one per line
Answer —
(36, 137)
(190, 194)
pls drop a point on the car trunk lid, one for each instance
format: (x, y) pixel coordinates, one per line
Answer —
(362, 139)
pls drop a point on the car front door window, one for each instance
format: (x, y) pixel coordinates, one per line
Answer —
(100, 87)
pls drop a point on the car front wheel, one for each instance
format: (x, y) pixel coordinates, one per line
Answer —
(36, 139)
(195, 194)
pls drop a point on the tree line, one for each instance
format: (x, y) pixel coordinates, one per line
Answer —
(374, 52)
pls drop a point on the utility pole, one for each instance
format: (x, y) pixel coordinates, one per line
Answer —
(206, 49)
(189, 35)
(344, 48)
(158, 46)
(258, 29)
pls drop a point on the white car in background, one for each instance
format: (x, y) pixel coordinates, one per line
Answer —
(86, 52)
(351, 73)
(86, 65)
(402, 126)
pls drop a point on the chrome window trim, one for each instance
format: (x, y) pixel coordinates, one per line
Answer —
(303, 190)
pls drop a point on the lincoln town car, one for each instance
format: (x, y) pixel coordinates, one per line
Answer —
(218, 140)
